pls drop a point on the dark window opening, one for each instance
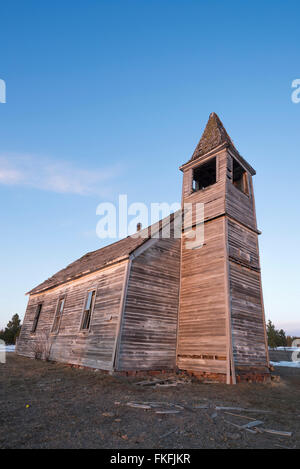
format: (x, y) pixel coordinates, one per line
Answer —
(36, 317)
(88, 309)
(58, 315)
(240, 178)
(205, 175)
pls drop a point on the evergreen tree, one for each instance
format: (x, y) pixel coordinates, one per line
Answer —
(282, 338)
(276, 338)
(271, 332)
(12, 330)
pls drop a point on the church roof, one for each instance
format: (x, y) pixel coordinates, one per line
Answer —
(96, 260)
(213, 136)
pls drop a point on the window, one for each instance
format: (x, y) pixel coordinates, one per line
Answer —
(36, 317)
(205, 175)
(88, 309)
(58, 314)
(240, 178)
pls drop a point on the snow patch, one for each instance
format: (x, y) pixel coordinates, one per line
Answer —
(7, 348)
(10, 348)
(289, 364)
(286, 349)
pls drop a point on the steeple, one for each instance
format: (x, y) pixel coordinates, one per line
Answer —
(221, 312)
(213, 136)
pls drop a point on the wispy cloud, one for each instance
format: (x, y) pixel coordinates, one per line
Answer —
(56, 176)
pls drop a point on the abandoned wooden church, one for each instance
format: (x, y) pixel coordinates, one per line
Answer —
(149, 303)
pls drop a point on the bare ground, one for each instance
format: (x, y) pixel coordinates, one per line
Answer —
(50, 405)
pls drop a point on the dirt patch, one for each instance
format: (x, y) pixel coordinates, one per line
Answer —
(50, 405)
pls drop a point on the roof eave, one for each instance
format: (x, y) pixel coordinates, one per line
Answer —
(34, 291)
(214, 151)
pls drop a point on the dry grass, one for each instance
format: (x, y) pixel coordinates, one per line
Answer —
(73, 408)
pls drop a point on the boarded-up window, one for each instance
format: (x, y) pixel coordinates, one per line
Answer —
(36, 317)
(58, 314)
(88, 309)
(240, 177)
(205, 175)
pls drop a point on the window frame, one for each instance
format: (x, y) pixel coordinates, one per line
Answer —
(245, 179)
(194, 191)
(84, 310)
(37, 316)
(61, 297)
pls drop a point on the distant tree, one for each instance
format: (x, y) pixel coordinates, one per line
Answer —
(282, 338)
(289, 340)
(271, 332)
(276, 338)
(12, 330)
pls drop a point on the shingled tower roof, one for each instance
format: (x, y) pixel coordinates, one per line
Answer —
(213, 136)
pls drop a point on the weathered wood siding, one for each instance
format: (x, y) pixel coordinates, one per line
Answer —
(149, 324)
(239, 205)
(247, 315)
(211, 313)
(212, 196)
(93, 348)
(202, 328)
(242, 244)
(202, 317)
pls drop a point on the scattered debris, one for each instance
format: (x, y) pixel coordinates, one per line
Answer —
(276, 432)
(139, 406)
(165, 385)
(167, 411)
(240, 427)
(107, 414)
(157, 407)
(253, 425)
(170, 381)
(174, 430)
(239, 415)
(256, 411)
(256, 423)
(150, 382)
(275, 378)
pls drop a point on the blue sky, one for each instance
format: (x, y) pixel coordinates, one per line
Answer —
(109, 97)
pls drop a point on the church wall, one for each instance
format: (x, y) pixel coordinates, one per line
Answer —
(247, 314)
(202, 336)
(95, 347)
(149, 326)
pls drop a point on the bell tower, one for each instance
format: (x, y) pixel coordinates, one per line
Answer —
(221, 324)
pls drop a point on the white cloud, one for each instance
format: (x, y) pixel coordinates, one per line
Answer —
(9, 176)
(55, 176)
